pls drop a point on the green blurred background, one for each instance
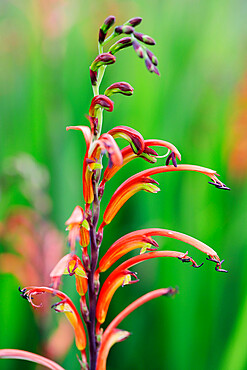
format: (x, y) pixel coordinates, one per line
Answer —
(199, 104)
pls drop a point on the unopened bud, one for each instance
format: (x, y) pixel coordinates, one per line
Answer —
(134, 21)
(100, 101)
(151, 67)
(102, 59)
(144, 38)
(138, 49)
(152, 57)
(108, 22)
(120, 44)
(121, 88)
(93, 76)
(124, 29)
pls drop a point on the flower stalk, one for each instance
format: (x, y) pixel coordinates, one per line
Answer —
(82, 226)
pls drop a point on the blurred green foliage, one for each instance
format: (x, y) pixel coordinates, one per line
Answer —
(46, 49)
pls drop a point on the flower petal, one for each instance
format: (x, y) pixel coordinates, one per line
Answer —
(125, 189)
(128, 155)
(68, 308)
(132, 136)
(29, 356)
(106, 338)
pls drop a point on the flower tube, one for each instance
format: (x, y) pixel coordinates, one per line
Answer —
(125, 191)
(28, 356)
(107, 336)
(141, 238)
(113, 282)
(65, 305)
(128, 155)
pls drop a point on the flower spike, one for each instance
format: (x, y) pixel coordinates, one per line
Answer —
(67, 306)
(103, 352)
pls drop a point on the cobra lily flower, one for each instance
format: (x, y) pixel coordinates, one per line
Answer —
(140, 181)
(78, 228)
(107, 338)
(70, 264)
(116, 278)
(66, 306)
(142, 239)
(105, 143)
(148, 154)
(28, 356)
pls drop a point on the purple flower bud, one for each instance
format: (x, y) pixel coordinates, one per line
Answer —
(144, 38)
(138, 49)
(152, 57)
(149, 65)
(124, 29)
(120, 44)
(102, 59)
(93, 76)
(134, 21)
(108, 22)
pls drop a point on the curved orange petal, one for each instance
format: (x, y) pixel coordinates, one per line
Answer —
(128, 155)
(66, 306)
(116, 278)
(107, 336)
(121, 247)
(116, 201)
(29, 356)
(115, 336)
(141, 238)
(107, 291)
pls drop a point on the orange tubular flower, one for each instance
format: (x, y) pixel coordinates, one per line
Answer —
(92, 158)
(148, 154)
(72, 265)
(86, 181)
(116, 278)
(141, 238)
(107, 338)
(66, 306)
(134, 184)
(107, 291)
(115, 336)
(28, 356)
